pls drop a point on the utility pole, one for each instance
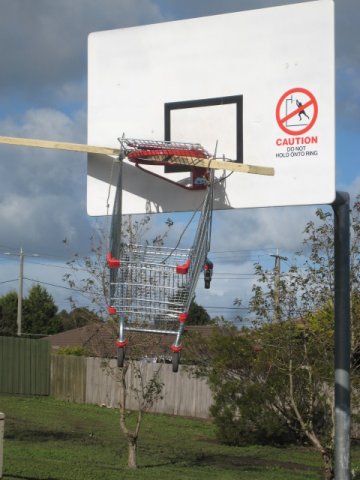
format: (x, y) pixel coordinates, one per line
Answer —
(277, 278)
(20, 292)
(21, 256)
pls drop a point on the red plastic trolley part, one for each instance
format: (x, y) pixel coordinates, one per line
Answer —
(123, 344)
(183, 317)
(112, 261)
(164, 154)
(175, 349)
(208, 265)
(208, 269)
(112, 311)
(183, 269)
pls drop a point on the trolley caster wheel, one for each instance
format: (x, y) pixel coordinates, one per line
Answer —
(175, 361)
(120, 357)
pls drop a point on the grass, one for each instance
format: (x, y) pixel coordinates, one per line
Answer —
(54, 440)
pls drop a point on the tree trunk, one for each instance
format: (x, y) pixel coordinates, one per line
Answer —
(328, 466)
(132, 450)
(326, 453)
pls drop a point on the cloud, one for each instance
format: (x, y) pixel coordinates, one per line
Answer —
(242, 238)
(43, 44)
(42, 199)
(257, 229)
(46, 123)
(347, 16)
(189, 8)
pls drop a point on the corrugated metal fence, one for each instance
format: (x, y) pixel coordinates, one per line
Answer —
(85, 380)
(24, 366)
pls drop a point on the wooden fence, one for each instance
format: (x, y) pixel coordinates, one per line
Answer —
(24, 366)
(85, 380)
(68, 378)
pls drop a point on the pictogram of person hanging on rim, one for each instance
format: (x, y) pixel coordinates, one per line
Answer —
(302, 112)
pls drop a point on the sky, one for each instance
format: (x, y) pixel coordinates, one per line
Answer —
(43, 94)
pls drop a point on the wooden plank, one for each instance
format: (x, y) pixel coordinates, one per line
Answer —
(103, 389)
(223, 165)
(191, 161)
(71, 147)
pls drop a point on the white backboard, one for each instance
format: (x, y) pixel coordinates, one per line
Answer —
(236, 79)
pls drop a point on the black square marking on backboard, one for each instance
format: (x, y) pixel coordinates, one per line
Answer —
(206, 102)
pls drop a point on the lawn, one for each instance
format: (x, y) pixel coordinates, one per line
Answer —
(54, 440)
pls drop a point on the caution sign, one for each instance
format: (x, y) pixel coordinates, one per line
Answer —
(296, 111)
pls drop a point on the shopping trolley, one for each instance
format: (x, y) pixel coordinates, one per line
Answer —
(152, 286)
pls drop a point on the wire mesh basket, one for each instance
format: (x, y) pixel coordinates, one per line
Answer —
(151, 286)
(152, 152)
(136, 149)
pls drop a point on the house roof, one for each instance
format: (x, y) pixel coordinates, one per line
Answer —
(100, 340)
(97, 338)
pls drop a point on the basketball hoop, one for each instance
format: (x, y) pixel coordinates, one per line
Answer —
(152, 152)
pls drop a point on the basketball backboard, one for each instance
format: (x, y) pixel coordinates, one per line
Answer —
(258, 84)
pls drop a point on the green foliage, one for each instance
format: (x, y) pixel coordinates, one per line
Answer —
(261, 378)
(39, 312)
(8, 313)
(76, 350)
(198, 315)
(239, 396)
(275, 383)
(78, 317)
(287, 388)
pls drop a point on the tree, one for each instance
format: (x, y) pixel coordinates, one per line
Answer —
(274, 382)
(76, 318)
(89, 275)
(146, 392)
(39, 312)
(94, 285)
(133, 381)
(198, 315)
(309, 281)
(8, 313)
(270, 387)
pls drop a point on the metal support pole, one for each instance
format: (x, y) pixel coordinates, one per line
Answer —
(341, 208)
(2, 422)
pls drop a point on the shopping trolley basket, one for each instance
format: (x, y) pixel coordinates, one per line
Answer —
(152, 287)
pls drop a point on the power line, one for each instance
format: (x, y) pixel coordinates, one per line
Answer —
(54, 285)
(244, 250)
(9, 281)
(52, 265)
(217, 277)
(41, 255)
(225, 308)
(234, 273)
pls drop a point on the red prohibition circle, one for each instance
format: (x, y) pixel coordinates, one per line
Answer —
(311, 102)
